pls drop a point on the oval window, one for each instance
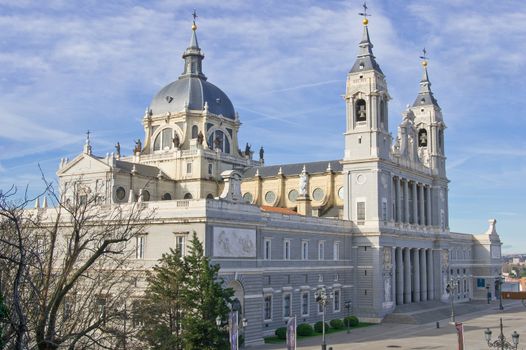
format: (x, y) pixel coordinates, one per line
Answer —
(318, 194)
(145, 195)
(293, 195)
(247, 197)
(120, 193)
(270, 197)
(341, 193)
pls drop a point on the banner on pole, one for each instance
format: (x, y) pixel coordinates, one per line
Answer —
(234, 330)
(460, 333)
(291, 333)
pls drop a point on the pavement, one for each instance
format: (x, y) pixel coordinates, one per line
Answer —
(426, 335)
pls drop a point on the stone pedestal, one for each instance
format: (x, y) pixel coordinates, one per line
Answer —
(304, 205)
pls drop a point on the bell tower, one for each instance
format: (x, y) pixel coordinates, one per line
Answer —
(366, 97)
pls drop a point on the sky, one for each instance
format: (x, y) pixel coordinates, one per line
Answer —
(67, 67)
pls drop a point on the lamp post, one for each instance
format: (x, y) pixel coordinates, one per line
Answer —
(450, 289)
(220, 323)
(321, 298)
(501, 342)
(348, 307)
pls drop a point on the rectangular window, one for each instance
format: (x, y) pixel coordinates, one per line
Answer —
(68, 308)
(360, 211)
(337, 301)
(304, 250)
(139, 248)
(100, 305)
(137, 319)
(188, 168)
(266, 249)
(336, 253)
(210, 168)
(305, 303)
(321, 250)
(268, 307)
(286, 249)
(481, 283)
(286, 305)
(384, 210)
(180, 245)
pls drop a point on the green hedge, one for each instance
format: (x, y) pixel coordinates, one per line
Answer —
(305, 330)
(351, 321)
(337, 324)
(318, 327)
(281, 333)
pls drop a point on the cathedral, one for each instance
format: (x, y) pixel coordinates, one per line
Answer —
(372, 227)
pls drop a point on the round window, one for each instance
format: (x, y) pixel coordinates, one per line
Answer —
(341, 193)
(293, 195)
(120, 193)
(318, 194)
(145, 195)
(270, 197)
(247, 197)
(167, 197)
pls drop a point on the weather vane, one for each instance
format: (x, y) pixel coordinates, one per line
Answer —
(424, 57)
(365, 14)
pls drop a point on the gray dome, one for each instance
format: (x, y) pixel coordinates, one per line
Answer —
(194, 91)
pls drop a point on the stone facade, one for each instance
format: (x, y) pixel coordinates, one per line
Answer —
(372, 227)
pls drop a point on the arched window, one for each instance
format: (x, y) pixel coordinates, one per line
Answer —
(360, 111)
(195, 131)
(145, 195)
(422, 138)
(167, 197)
(441, 140)
(218, 140)
(188, 196)
(210, 196)
(164, 140)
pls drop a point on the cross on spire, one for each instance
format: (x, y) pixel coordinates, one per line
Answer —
(194, 15)
(364, 14)
(87, 136)
(424, 57)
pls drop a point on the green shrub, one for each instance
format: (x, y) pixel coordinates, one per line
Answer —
(351, 321)
(318, 327)
(281, 333)
(337, 324)
(305, 330)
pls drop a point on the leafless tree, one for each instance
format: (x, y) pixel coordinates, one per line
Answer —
(67, 272)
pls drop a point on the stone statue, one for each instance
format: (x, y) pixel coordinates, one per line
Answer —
(217, 143)
(138, 146)
(176, 141)
(118, 149)
(261, 153)
(247, 150)
(200, 137)
(303, 182)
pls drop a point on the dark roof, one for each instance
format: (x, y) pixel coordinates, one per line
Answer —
(293, 169)
(144, 170)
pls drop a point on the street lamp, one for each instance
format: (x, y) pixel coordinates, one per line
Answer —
(348, 307)
(321, 298)
(501, 342)
(450, 289)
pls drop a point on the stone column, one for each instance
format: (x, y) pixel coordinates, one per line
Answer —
(406, 202)
(416, 275)
(430, 275)
(428, 209)
(423, 274)
(398, 199)
(415, 204)
(399, 276)
(407, 276)
(422, 215)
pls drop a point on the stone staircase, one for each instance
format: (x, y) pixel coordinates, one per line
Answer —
(430, 311)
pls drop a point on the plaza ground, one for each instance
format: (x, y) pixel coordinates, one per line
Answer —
(427, 336)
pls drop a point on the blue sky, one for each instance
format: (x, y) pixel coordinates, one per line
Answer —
(69, 66)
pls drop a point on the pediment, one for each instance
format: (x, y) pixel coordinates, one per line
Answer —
(82, 165)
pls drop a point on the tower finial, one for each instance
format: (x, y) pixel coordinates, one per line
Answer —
(364, 14)
(194, 15)
(424, 57)
(87, 144)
